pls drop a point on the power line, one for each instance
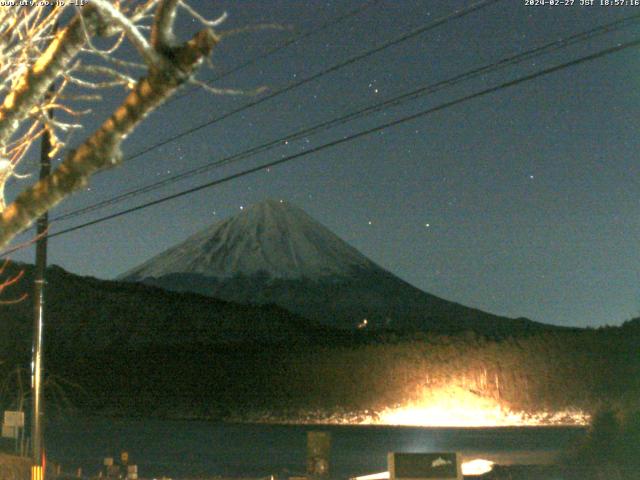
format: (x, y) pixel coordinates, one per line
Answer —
(391, 102)
(282, 46)
(436, 23)
(360, 134)
(402, 38)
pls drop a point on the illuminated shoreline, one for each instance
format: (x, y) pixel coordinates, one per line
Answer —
(451, 407)
(455, 406)
(407, 417)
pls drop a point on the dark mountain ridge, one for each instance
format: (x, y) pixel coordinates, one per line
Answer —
(85, 314)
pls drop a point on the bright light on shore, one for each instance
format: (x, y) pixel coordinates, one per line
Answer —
(478, 466)
(452, 406)
(457, 407)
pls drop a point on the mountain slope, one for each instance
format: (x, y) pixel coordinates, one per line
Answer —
(273, 252)
(84, 314)
(139, 350)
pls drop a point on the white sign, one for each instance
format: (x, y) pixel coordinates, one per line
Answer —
(13, 418)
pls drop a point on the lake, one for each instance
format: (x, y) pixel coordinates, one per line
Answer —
(199, 448)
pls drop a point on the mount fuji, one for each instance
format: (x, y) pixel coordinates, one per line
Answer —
(275, 253)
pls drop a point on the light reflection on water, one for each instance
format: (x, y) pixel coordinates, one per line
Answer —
(197, 448)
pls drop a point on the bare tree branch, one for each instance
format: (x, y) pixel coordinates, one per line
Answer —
(227, 91)
(32, 58)
(8, 282)
(207, 23)
(102, 149)
(34, 83)
(116, 17)
(162, 36)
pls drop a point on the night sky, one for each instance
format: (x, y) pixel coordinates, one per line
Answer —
(523, 202)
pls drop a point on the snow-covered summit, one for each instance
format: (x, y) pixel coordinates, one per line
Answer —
(272, 238)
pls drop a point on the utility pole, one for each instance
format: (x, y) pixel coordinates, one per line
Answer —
(37, 400)
(37, 397)
(38, 319)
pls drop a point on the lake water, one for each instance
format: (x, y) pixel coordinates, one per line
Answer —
(197, 448)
